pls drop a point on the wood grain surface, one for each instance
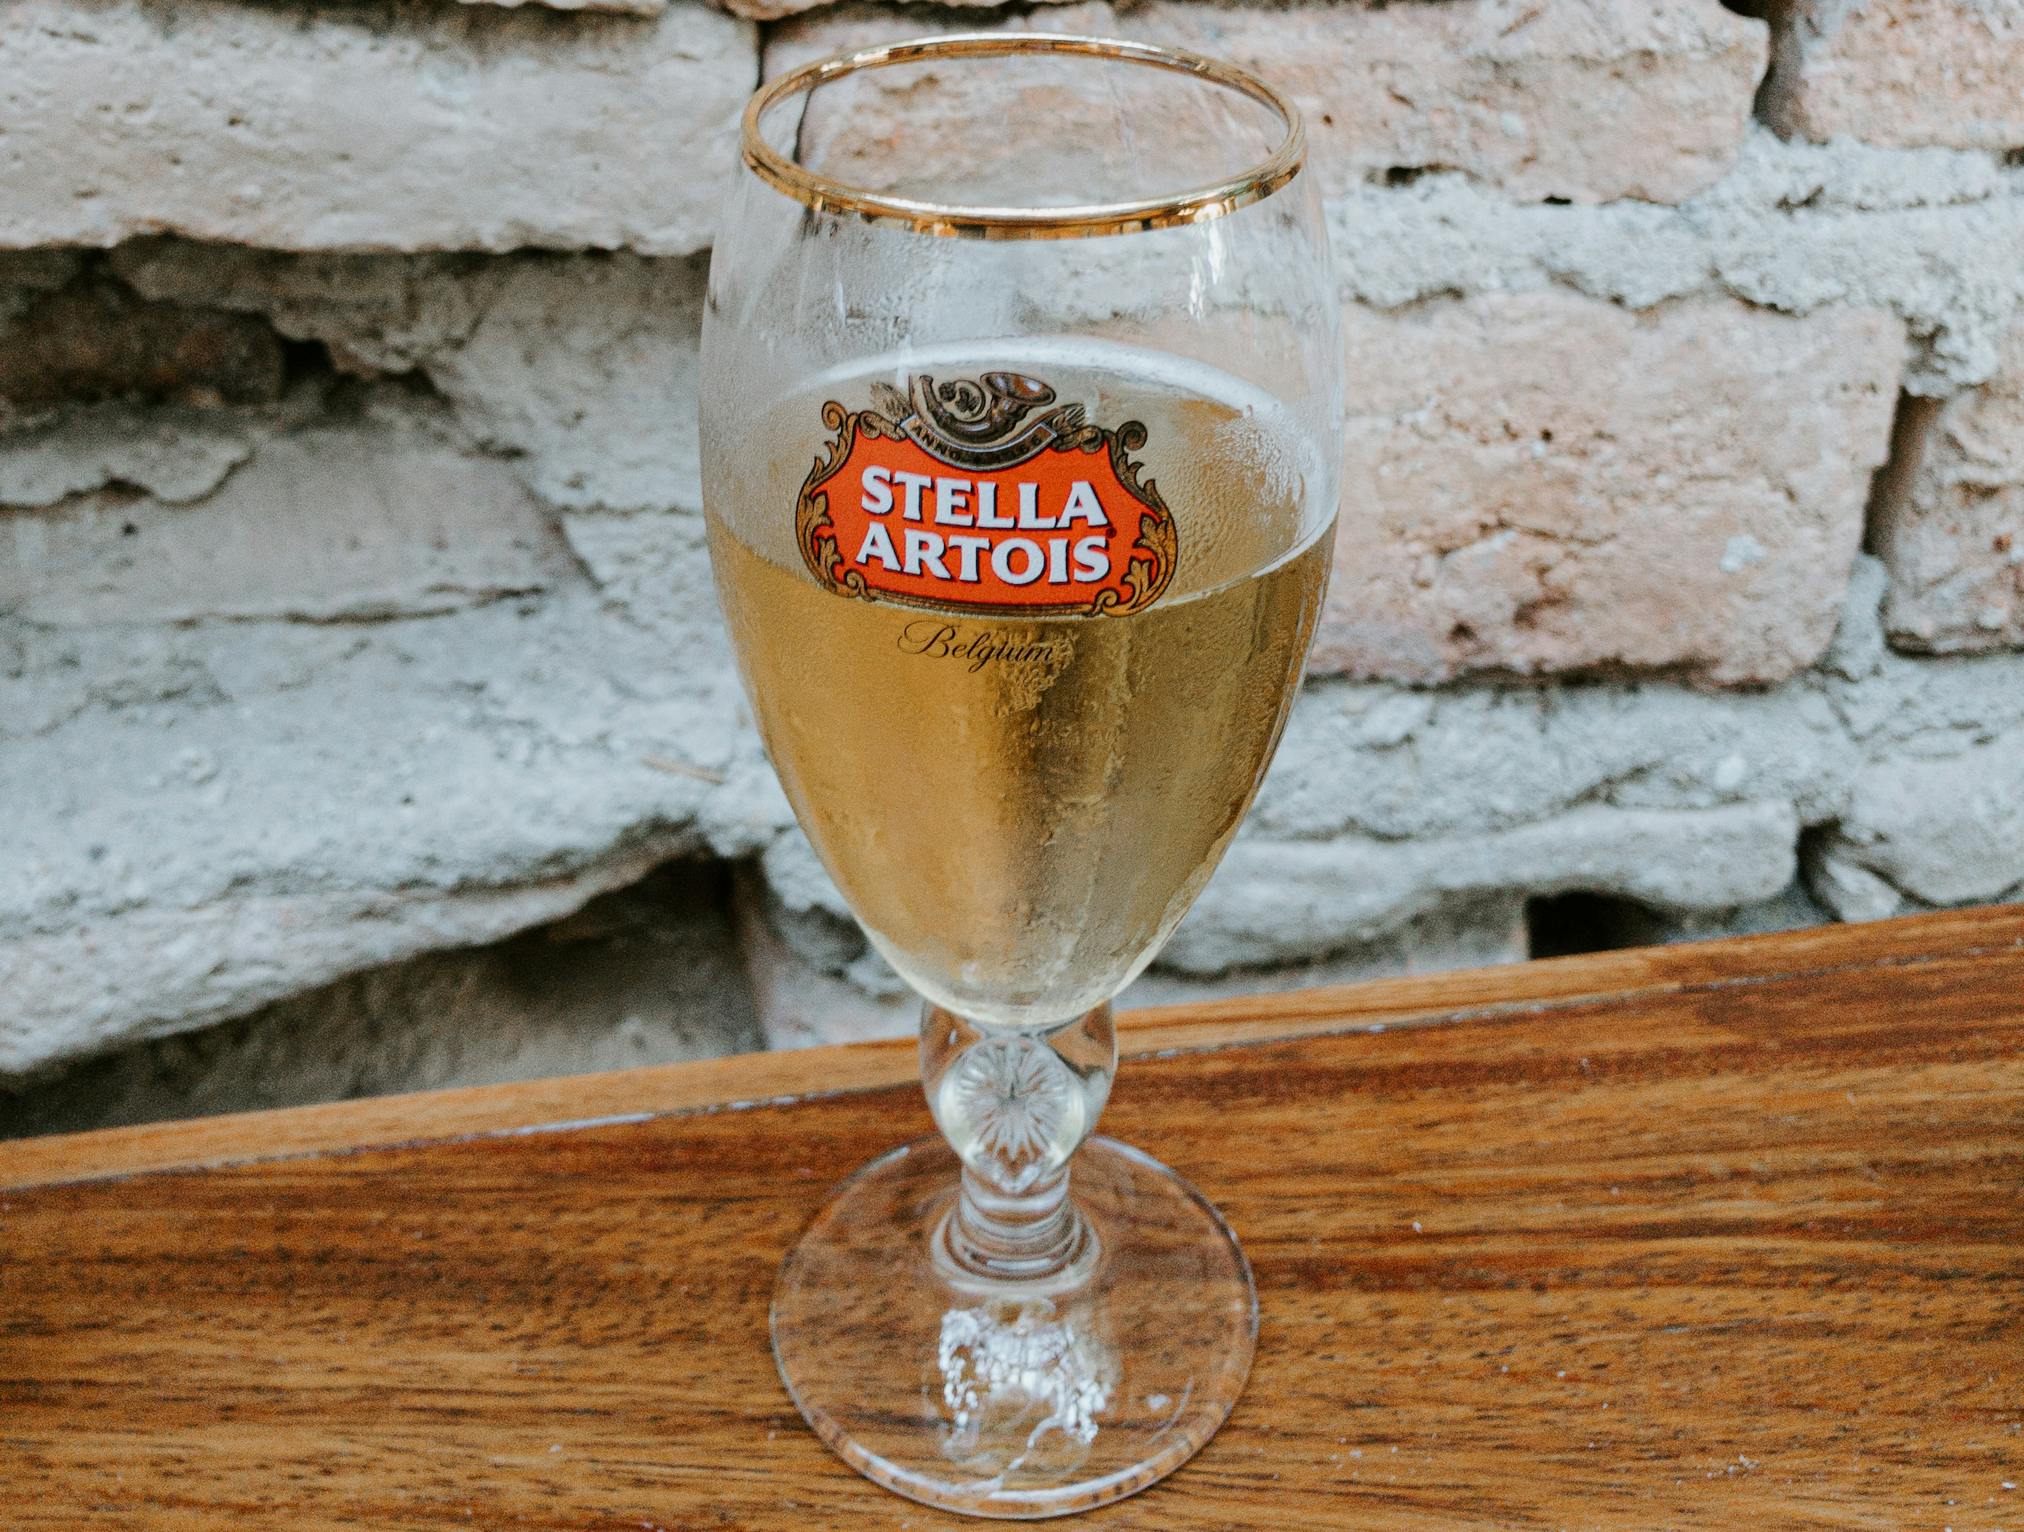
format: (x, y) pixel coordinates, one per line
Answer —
(1728, 1236)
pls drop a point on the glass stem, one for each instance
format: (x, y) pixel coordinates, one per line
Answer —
(1015, 1105)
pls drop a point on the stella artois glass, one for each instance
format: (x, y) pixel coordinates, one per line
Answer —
(1021, 400)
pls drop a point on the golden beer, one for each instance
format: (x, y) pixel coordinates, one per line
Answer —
(1020, 807)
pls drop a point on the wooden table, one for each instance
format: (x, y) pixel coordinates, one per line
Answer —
(1725, 1236)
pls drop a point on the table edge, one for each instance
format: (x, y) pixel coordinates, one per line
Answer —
(560, 1103)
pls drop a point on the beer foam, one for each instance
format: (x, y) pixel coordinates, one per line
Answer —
(1247, 485)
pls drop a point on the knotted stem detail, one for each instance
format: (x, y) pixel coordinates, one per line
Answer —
(1015, 1105)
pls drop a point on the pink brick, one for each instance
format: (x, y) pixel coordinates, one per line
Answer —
(1541, 483)
(1950, 518)
(1907, 73)
(1587, 100)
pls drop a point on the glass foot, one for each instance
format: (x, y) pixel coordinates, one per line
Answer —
(1015, 1399)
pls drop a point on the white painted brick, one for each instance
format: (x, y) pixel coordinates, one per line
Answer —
(378, 126)
(332, 523)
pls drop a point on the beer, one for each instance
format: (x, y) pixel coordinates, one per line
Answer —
(1019, 796)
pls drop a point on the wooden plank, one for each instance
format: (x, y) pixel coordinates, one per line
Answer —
(439, 1116)
(1740, 1251)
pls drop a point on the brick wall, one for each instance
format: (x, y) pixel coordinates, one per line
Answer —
(364, 718)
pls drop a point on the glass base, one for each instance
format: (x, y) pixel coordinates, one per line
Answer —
(1015, 1399)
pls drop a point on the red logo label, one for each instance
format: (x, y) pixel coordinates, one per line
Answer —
(984, 496)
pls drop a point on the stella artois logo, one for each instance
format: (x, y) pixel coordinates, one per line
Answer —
(984, 496)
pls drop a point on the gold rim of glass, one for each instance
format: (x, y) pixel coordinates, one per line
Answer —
(1197, 205)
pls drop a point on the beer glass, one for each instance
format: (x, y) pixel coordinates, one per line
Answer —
(1020, 421)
